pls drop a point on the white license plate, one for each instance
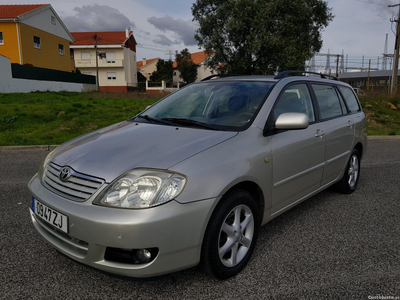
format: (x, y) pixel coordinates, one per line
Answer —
(50, 215)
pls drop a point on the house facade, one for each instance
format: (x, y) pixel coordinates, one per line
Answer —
(202, 70)
(115, 62)
(147, 66)
(35, 35)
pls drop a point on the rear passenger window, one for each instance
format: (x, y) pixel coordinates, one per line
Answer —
(295, 98)
(349, 98)
(328, 101)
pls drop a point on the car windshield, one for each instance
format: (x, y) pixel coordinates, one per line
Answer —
(213, 105)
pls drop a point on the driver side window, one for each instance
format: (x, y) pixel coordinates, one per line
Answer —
(295, 98)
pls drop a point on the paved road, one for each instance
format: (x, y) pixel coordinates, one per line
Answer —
(329, 247)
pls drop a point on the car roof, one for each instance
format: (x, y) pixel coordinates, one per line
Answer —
(286, 75)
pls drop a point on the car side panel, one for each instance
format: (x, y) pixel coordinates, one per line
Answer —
(298, 161)
(339, 143)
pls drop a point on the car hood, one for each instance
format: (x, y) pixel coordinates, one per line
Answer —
(111, 151)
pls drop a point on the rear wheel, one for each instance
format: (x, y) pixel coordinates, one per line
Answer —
(349, 181)
(231, 235)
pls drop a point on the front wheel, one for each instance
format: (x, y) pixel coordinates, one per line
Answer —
(231, 235)
(349, 181)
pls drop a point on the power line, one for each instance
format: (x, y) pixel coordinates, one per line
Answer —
(371, 2)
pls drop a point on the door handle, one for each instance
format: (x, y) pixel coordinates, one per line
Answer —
(350, 124)
(319, 133)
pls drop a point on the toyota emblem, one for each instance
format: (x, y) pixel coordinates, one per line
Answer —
(65, 173)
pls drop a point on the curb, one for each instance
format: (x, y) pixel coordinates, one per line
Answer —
(384, 137)
(51, 147)
(27, 148)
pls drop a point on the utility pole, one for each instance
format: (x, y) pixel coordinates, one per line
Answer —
(337, 66)
(97, 62)
(396, 53)
(369, 74)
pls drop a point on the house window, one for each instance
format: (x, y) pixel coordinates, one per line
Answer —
(85, 55)
(1, 38)
(53, 20)
(36, 42)
(111, 76)
(71, 53)
(60, 49)
(110, 56)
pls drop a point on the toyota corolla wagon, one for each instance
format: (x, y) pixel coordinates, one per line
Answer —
(192, 178)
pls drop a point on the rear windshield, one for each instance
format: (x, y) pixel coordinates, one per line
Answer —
(223, 105)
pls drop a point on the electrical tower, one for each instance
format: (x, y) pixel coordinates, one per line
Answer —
(385, 54)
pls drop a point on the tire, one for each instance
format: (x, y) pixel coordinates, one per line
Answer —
(231, 235)
(349, 181)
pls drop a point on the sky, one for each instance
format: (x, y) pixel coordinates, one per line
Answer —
(162, 27)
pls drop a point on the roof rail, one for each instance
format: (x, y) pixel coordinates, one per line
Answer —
(285, 74)
(219, 76)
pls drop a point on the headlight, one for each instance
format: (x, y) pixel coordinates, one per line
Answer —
(142, 188)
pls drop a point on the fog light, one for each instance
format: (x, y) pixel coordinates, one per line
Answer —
(144, 255)
(131, 256)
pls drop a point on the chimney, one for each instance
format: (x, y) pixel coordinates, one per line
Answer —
(127, 31)
(144, 61)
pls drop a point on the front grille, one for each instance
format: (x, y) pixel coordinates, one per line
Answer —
(78, 187)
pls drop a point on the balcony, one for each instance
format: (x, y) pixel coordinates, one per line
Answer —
(103, 63)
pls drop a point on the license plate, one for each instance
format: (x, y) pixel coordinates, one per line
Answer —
(50, 215)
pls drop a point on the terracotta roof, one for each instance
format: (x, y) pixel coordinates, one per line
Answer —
(139, 64)
(13, 11)
(197, 58)
(103, 38)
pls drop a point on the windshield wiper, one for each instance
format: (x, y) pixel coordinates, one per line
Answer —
(184, 121)
(148, 118)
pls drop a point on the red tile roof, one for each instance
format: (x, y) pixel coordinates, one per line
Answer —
(13, 11)
(103, 38)
(139, 64)
(197, 58)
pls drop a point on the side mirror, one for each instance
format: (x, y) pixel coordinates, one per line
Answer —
(287, 121)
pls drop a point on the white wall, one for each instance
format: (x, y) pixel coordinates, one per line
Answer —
(27, 86)
(5, 74)
(14, 85)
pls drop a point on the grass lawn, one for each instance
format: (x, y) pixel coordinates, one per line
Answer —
(383, 113)
(49, 118)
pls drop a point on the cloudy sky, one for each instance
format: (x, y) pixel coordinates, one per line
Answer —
(161, 27)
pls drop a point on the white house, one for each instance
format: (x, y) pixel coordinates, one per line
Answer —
(116, 60)
(202, 70)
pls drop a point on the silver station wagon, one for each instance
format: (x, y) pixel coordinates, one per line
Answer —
(191, 179)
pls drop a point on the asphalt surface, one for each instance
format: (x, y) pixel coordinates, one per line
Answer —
(331, 246)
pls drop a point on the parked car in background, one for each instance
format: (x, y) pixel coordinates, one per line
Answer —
(190, 180)
(358, 91)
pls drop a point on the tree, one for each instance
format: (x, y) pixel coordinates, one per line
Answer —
(164, 71)
(140, 77)
(260, 36)
(186, 67)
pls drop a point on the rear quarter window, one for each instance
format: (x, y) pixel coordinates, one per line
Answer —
(328, 101)
(349, 98)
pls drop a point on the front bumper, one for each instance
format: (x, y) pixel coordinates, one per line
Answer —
(175, 229)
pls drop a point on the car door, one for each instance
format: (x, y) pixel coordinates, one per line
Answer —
(339, 130)
(297, 155)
